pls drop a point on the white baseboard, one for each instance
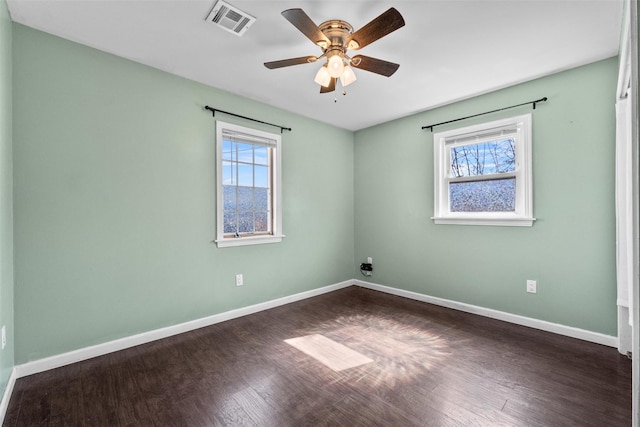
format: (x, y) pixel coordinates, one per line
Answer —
(6, 396)
(63, 359)
(556, 328)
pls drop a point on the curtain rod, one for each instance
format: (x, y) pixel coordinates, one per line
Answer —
(214, 110)
(430, 127)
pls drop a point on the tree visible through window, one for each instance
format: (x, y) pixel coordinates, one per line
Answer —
(245, 177)
(483, 164)
(483, 174)
(249, 197)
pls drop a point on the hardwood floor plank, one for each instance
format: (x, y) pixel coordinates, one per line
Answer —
(35, 408)
(63, 414)
(100, 403)
(290, 397)
(230, 413)
(259, 409)
(566, 405)
(13, 409)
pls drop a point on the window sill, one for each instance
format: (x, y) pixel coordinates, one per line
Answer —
(246, 241)
(503, 222)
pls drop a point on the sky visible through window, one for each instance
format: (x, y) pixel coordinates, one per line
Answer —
(245, 180)
(485, 190)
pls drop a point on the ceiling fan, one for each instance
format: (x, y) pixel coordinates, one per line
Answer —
(335, 37)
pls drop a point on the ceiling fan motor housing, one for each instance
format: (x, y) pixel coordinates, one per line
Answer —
(337, 32)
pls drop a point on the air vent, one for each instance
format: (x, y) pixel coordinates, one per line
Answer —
(230, 18)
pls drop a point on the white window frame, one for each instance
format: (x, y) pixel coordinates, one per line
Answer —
(275, 236)
(443, 141)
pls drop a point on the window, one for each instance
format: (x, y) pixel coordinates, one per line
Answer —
(248, 186)
(483, 174)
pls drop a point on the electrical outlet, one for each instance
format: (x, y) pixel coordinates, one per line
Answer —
(369, 260)
(532, 286)
(239, 280)
(4, 336)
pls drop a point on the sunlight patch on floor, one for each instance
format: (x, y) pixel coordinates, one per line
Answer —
(401, 351)
(332, 354)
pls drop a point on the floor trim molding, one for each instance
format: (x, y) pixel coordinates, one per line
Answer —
(570, 331)
(85, 353)
(6, 396)
(63, 359)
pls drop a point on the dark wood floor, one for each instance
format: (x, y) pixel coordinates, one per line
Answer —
(432, 367)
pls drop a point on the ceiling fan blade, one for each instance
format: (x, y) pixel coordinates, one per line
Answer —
(384, 24)
(302, 22)
(289, 62)
(331, 87)
(375, 65)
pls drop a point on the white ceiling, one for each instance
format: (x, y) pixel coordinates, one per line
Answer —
(448, 50)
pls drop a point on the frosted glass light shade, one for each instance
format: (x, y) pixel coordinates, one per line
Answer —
(348, 76)
(323, 78)
(335, 66)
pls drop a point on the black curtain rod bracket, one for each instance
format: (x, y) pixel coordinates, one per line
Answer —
(214, 110)
(430, 127)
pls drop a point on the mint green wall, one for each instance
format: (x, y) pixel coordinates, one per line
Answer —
(6, 195)
(570, 249)
(115, 200)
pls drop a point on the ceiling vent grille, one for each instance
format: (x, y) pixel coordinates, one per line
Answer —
(230, 18)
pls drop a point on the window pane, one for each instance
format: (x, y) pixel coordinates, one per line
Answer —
(497, 195)
(229, 198)
(261, 176)
(245, 175)
(261, 199)
(262, 224)
(245, 198)
(260, 155)
(245, 222)
(484, 159)
(245, 153)
(228, 173)
(228, 150)
(230, 222)
(247, 163)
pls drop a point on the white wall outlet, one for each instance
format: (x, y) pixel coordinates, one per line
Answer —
(369, 260)
(239, 280)
(532, 286)
(4, 336)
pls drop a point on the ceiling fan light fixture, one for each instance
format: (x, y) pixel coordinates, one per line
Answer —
(335, 38)
(353, 45)
(348, 76)
(323, 78)
(335, 65)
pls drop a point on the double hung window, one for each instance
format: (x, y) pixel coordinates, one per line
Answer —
(248, 186)
(483, 174)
